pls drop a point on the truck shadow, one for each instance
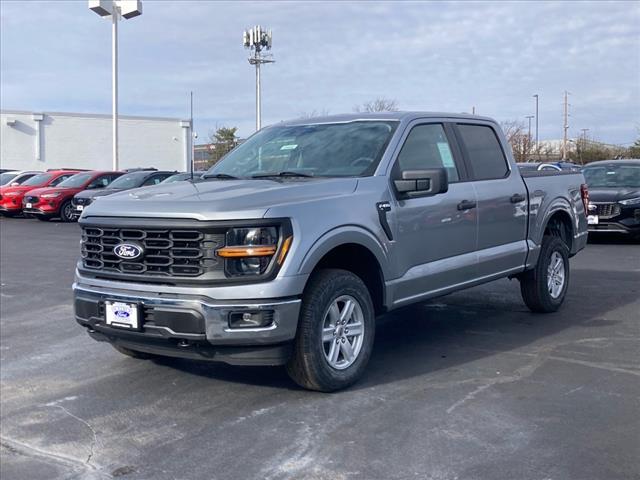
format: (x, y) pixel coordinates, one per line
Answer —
(456, 330)
(612, 239)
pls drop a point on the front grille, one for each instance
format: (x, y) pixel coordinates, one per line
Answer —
(167, 252)
(31, 199)
(608, 210)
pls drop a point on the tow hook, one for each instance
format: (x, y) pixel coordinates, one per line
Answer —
(184, 343)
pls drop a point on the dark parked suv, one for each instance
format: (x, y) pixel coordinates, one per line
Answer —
(139, 178)
(614, 193)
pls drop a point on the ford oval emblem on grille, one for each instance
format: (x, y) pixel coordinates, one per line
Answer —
(127, 251)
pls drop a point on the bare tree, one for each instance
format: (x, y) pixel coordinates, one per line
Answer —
(519, 139)
(380, 104)
(314, 113)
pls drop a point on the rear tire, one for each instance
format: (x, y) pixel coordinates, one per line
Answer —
(335, 333)
(134, 353)
(544, 287)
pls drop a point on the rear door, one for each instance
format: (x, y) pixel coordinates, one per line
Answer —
(502, 200)
(436, 238)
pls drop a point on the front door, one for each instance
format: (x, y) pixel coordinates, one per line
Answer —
(436, 235)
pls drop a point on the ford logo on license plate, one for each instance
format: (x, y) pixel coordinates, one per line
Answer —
(127, 251)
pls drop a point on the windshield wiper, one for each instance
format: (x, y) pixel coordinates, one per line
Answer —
(221, 176)
(285, 173)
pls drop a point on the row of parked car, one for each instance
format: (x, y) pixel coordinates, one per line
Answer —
(64, 193)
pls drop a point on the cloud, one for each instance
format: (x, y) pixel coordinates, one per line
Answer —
(331, 56)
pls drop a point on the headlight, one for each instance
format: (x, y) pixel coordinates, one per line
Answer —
(11, 194)
(630, 201)
(251, 250)
(51, 195)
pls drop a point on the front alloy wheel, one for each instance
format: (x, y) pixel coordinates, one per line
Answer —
(343, 333)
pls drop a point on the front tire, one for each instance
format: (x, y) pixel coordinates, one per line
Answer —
(544, 287)
(335, 332)
(66, 212)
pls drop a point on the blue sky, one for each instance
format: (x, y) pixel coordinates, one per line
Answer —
(56, 56)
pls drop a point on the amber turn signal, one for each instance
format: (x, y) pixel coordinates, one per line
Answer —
(285, 248)
(248, 251)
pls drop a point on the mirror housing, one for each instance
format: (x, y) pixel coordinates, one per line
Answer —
(422, 183)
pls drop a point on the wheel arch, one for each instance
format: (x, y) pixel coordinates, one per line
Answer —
(357, 251)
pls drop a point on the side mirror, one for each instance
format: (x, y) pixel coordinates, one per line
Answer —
(422, 183)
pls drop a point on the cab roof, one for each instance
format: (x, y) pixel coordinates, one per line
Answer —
(384, 116)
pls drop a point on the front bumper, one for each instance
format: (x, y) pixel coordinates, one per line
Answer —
(192, 326)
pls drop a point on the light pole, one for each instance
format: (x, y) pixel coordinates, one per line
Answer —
(537, 118)
(115, 9)
(529, 117)
(256, 39)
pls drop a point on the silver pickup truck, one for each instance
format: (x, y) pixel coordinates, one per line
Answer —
(307, 231)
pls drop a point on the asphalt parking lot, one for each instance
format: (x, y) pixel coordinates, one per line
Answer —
(470, 386)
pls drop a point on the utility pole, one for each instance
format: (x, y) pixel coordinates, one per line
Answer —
(537, 117)
(257, 39)
(565, 128)
(473, 110)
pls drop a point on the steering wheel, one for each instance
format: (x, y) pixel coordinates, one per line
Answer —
(364, 161)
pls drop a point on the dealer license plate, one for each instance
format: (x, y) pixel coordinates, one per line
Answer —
(592, 219)
(28, 205)
(122, 315)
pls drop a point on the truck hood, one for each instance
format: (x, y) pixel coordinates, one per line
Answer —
(605, 195)
(219, 199)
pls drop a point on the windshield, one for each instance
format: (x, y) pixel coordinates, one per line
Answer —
(77, 180)
(612, 176)
(6, 177)
(130, 180)
(325, 150)
(38, 179)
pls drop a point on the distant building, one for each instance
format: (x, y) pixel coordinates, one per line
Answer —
(42, 140)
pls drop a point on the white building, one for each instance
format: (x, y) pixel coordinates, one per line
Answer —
(42, 140)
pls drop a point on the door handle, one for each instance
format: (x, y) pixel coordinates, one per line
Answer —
(466, 205)
(517, 198)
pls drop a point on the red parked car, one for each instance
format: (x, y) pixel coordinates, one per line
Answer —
(11, 196)
(50, 202)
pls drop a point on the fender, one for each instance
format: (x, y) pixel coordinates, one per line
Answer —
(342, 235)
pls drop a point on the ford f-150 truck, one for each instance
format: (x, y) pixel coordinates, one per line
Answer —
(303, 234)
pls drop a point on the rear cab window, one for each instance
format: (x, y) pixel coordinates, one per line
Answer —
(483, 151)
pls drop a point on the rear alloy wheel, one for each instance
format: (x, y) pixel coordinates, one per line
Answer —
(66, 212)
(335, 332)
(544, 287)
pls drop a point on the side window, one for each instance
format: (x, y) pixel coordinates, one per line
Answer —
(487, 158)
(155, 179)
(60, 179)
(100, 182)
(427, 147)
